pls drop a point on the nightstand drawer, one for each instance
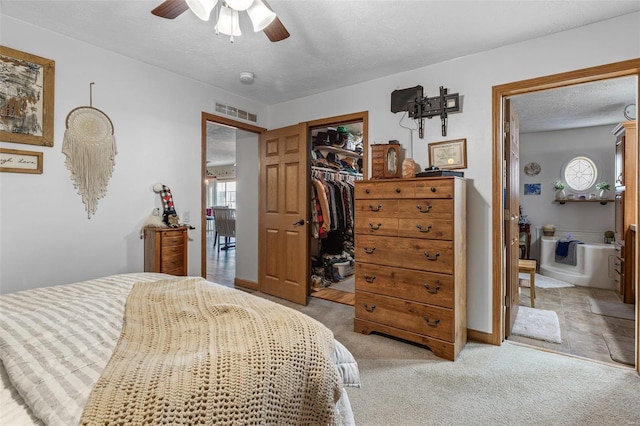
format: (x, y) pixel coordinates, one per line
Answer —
(171, 262)
(170, 238)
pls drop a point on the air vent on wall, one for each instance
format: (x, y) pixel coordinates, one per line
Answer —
(236, 112)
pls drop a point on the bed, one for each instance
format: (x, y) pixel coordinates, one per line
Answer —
(152, 348)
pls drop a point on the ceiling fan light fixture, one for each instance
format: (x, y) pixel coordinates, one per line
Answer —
(239, 5)
(201, 8)
(261, 16)
(229, 22)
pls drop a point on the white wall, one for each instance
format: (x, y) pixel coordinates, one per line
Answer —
(247, 177)
(45, 236)
(552, 150)
(472, 77)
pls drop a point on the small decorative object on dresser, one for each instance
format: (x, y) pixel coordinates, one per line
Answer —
(385, 160)
(410, 246)
(165, 250)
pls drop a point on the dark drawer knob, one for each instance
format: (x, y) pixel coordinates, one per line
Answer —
(424, 230)
(433, 189)
(432, 289)
(375, 227)
(398, 190)
(431, 257)
(367, 191)
(369, 278)
(369, 308)
(425, 209)
(375, 209)
(369, 250)
(433, 323)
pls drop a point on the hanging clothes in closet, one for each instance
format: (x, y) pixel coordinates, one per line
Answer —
(332, 223)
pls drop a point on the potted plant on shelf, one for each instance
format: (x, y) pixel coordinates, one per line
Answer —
(560, 186)
(603, 187)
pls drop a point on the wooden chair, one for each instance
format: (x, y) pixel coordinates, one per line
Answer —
(225, 224)
(529, 266)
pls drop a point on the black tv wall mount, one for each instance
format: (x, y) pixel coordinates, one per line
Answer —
(420, 107)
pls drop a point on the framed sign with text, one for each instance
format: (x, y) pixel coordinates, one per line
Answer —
(448, 154)
(17, 161)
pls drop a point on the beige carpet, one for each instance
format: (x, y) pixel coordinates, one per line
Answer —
(406, 385)
(622, 349)
(537, 324)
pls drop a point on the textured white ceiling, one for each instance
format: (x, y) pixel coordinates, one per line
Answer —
(337, 43)
(332, 44)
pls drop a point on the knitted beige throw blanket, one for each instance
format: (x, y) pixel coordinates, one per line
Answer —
(192, 352)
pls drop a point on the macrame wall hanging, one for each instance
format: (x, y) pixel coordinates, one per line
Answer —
(90, 148)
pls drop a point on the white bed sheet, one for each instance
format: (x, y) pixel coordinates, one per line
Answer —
(15, 411)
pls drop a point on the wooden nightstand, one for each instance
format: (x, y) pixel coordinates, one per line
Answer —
(165, 250)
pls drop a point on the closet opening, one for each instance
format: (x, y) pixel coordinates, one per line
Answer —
(337, 150)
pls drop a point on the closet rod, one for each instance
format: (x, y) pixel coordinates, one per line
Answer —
(323, 169)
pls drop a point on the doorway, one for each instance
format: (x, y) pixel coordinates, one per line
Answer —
(500, 93)
(229, 179)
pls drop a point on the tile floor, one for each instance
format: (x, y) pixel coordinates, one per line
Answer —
(581, 330)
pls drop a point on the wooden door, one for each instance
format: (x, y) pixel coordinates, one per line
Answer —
(283, 268)
(511, 213)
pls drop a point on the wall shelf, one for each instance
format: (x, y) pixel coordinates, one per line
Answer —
(598, 200)
(342, 151)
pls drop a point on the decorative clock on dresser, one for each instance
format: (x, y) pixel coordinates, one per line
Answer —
(410, 251)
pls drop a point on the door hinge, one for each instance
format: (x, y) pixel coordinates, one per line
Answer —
(507, 301)
(507, 126)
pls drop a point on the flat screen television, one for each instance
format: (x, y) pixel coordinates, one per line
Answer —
(401, 98)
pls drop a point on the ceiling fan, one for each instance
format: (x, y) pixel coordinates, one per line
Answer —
(261, 15)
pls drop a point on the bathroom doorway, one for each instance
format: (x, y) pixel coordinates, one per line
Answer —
(512, 91)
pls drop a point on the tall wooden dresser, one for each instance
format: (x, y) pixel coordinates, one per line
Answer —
(165, 250)
(410, 251)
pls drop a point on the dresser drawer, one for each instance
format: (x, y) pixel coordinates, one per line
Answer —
(171, 238)
(434, 188)
(376, 208)
(425, 207)
(436, 229)
(414, 253)
(424, 287)
(376, 226)
(411, 316)
(396, 188)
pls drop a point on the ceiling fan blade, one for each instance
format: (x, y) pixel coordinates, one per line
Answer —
(170, 9)
(276, 31)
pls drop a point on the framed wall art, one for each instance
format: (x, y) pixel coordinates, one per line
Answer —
(26, 98)
(448, 154)
(532, 189)
(17, 161)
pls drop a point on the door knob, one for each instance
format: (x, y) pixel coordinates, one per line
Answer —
(299, 223)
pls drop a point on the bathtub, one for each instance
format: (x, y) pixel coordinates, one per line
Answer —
(594, 266)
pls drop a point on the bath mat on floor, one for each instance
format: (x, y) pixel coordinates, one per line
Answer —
(622, 349)
(612, 309)
(537, 324)
(544, 281)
